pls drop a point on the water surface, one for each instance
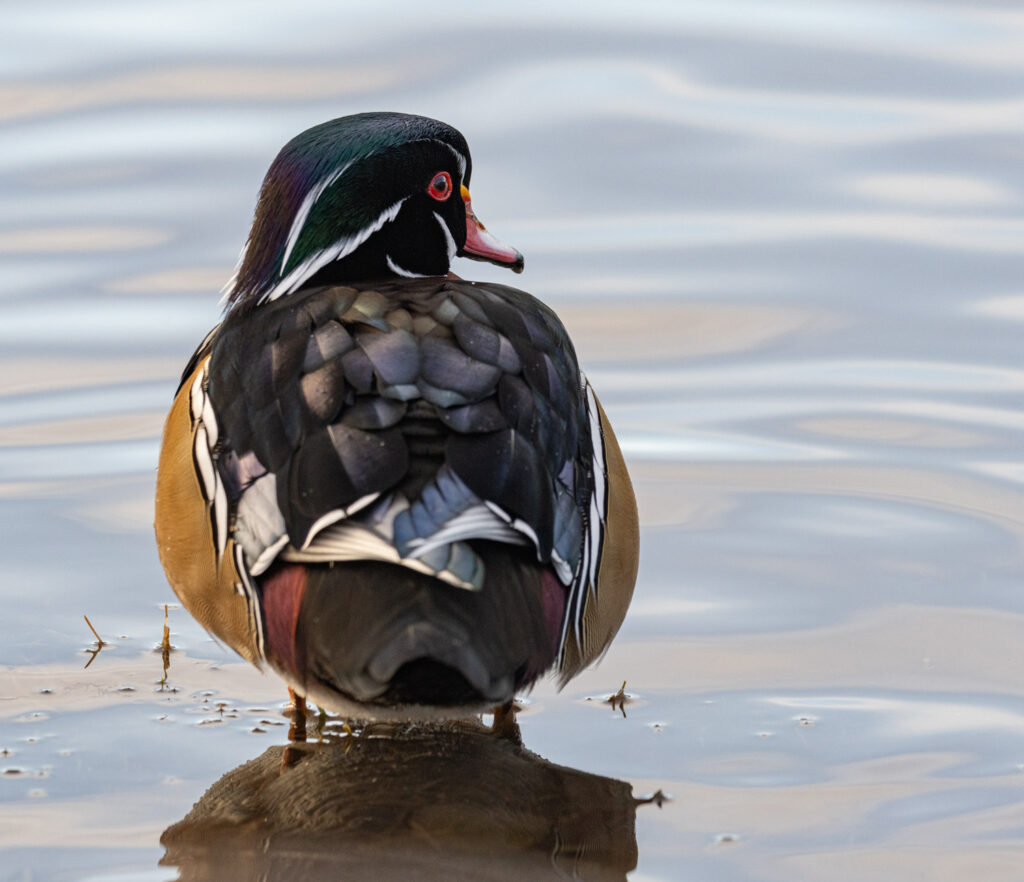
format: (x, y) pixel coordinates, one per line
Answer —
(787, 241)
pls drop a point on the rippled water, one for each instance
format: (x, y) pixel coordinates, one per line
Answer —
(787, 239)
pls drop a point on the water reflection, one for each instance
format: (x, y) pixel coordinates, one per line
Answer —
(438, 802)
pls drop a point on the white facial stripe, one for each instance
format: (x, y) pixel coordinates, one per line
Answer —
(302, 215)
(340, 249)
(401, 271)
(447, 238)
(459, 158)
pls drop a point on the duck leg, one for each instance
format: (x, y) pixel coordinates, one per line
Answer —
(505, 725)
(296, 731)
(297, 728)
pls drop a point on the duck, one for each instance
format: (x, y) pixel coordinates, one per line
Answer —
(391, 486)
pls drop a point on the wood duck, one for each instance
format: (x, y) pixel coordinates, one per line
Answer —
(393, 487)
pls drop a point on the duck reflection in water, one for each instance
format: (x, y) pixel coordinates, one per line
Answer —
(399, 801)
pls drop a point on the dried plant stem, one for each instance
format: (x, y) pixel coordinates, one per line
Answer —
(165, 648)
(99, 640)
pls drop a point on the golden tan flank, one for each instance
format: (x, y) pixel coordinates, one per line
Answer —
(205, 586)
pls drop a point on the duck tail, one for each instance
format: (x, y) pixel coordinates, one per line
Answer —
(388, 635)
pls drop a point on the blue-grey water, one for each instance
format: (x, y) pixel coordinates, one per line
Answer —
(788, 240)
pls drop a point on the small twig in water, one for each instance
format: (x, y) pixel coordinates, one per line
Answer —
(165, 649)
(100, 642)
(619, 699)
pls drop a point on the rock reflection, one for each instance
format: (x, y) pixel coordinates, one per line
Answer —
(427, 802)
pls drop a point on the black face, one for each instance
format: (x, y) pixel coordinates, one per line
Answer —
(361, 197)
(427, 232)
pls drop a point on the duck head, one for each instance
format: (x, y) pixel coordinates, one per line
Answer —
(369, 196)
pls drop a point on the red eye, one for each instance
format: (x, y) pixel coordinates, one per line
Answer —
(441, 186)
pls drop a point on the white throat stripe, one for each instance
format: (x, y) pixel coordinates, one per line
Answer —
(459, 158)
(401, 270)
(452, 248)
